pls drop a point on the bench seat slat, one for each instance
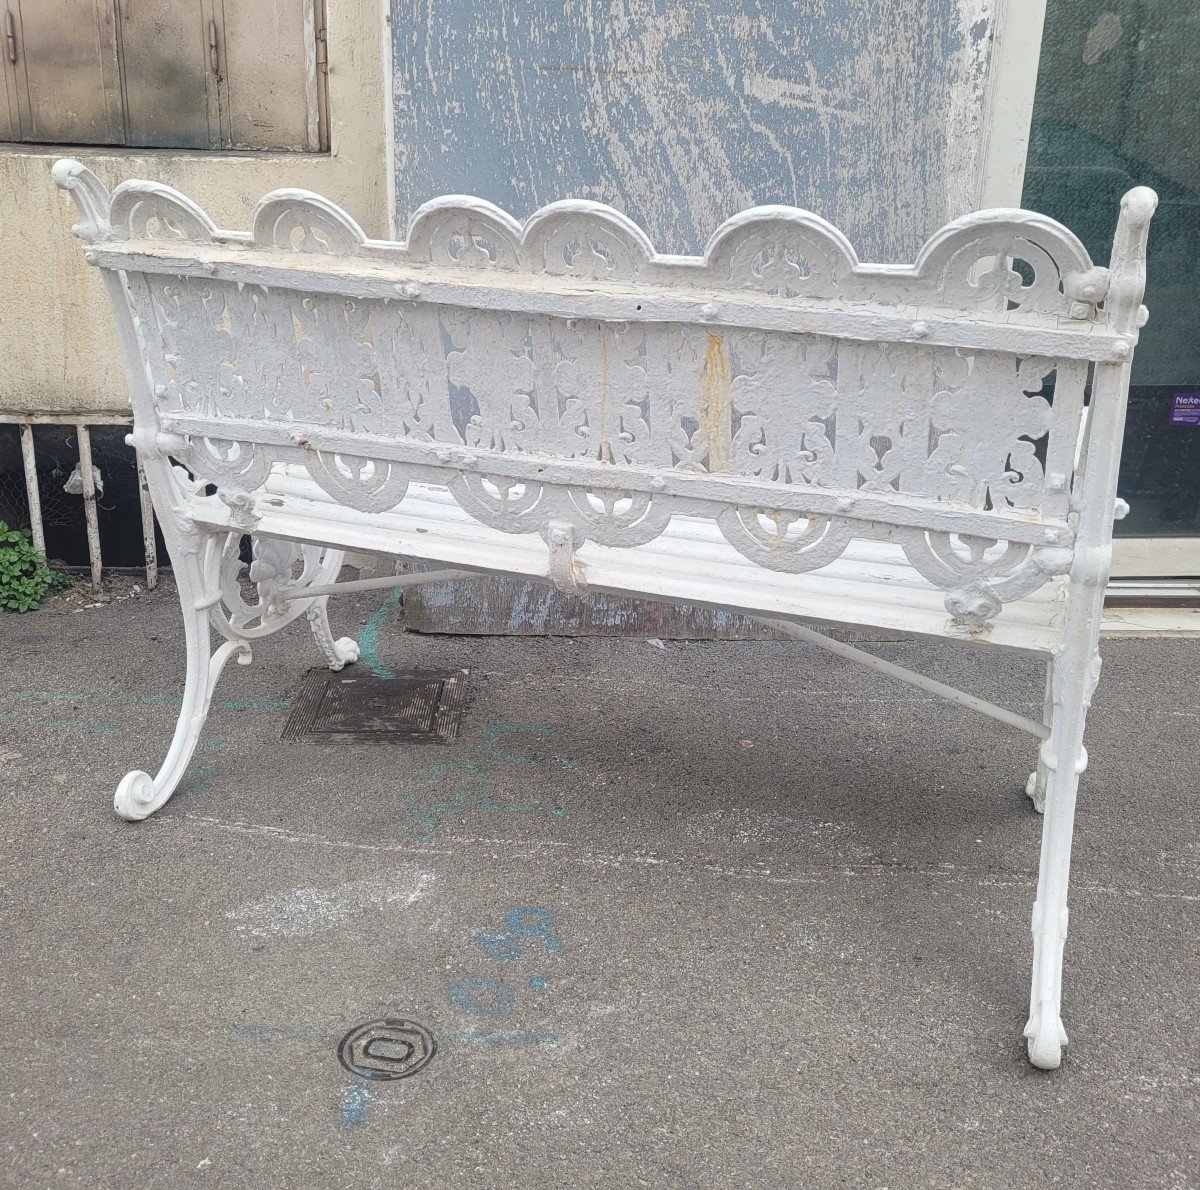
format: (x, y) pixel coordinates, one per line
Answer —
(871, 585)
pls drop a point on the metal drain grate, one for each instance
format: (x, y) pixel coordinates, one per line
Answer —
(384, 1050)
(424, 707)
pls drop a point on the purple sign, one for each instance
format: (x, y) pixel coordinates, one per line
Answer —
(1185, 409)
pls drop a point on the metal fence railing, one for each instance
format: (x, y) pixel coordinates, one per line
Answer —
(88, 481)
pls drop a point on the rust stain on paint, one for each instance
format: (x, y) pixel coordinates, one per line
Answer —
(716, 405)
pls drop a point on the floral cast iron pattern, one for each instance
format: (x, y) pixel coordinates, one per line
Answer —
(649, 401)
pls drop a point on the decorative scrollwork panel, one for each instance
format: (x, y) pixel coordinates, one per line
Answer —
(972, 428)
(490, 387)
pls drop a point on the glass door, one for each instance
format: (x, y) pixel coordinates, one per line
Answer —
(1117, 105)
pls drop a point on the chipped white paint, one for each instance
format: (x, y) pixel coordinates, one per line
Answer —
(773, 427)
(303, 911)
(1016, 49)
(966, 104)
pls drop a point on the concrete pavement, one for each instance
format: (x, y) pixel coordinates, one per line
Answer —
(710, 915)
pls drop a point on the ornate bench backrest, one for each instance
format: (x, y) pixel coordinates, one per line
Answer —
(561, 377)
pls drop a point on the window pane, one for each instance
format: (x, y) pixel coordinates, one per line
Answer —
(1117, 101)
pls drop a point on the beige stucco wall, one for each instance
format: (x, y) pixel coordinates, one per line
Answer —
(58, 351)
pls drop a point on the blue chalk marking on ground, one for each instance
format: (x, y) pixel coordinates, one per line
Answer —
(368, 638)
(84, 725)
(142, 700)
(532, 921)
(215, 745)
(467, 994)
(486, 803)
(197, 781)
(428, 814)
(479, 777)
(354, 1106)
(273, 1034)
(509, 1037)
(194, 782)
(502, 947)
(253, 704)
(525, 923)
(494, 731)
(446, 766)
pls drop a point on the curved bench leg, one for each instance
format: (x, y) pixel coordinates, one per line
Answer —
(337, 653)
(139, 795)
(1063, 759)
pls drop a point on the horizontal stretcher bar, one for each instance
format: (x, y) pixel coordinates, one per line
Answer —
(788, 627)
(383, 583)
(911, 677)
(718, 490)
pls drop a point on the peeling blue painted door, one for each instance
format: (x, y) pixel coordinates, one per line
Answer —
(684, 112)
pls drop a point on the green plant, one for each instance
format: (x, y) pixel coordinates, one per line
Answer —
(24, 576)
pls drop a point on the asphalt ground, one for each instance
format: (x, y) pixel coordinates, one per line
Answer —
(714, 914)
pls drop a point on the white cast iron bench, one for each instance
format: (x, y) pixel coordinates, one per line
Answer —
(772, 428)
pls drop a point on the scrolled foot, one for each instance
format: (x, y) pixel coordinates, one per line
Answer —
(1046, 1037)
(337, 653)
(1035, 794)
(136, 797)
(345, 651)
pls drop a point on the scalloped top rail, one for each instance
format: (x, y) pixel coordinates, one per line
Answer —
(995, 266)
(560, 377)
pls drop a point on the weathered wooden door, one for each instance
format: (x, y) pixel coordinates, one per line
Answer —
(681, 113)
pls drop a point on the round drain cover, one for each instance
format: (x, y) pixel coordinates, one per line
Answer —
(389, 1049)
